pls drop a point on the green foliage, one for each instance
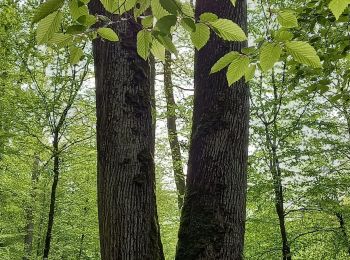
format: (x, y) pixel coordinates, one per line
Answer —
(287, 19)
(118, 6)
(158, 50)
(47, 8)
(48, 26)
(237, 69)
(166, 15)
(303, 53)
(250, 73)
(75, 55)
(338, 7)
(224, 61)
(108, 34)
(270, 53)
(171, 6)
(228, 30)
(200, 36)
(144, 40)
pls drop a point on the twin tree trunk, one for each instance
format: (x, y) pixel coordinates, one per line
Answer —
(213, 215)
(126, 175)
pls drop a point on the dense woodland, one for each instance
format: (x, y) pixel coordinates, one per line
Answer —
(124, 137)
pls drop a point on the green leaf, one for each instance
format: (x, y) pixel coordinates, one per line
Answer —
(75, 29)
(165, 23)
(249, 74)
(208, 17)
(172, 6)
(167, 43)
(47, 8)
(248, 50)
(237, 69)
(187, 10)
(234, 2)
(147, 22)
(157, 10)
(224, 61)
(303, 53)
(108, 34)
(335, 98)
(77, 10)
(87, 20)
(144, 40)
(270, 53)
(48, 26)
(140, 7)
(228, 30)
(338, 7)
(60, 39)
(287, 19)
(158, 50)
(201, 36)
(75, 54)
(283, 35)
(118, 6)
(188, 24)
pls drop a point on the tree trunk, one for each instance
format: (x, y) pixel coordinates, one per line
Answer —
(172, 131)
(56, 172)
(279, 203)
(28, 238)
(343, 230)
(213, 216)
(81, 246)
(275, 169)
(40, 240)
(126, 176)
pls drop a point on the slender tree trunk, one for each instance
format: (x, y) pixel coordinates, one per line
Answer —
(275, 169)
(213, 216)
(179, 175)
(126, 176)
(28, 238)
(39, 247)
(56, 172)
(342, 227)
(279, 203)
(81, 246)
(276, 173)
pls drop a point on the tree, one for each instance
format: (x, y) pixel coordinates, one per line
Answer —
(174, 143)
(126, 178)
(29, 236)
(213, 215)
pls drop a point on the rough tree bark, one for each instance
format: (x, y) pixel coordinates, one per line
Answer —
(179, 175)
(126, 176)
(213, 216)
(28, 238)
